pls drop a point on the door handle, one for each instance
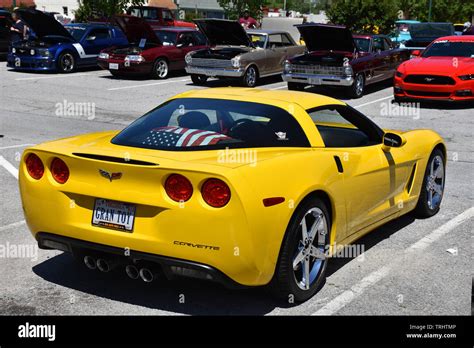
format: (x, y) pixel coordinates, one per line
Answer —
(340, 168)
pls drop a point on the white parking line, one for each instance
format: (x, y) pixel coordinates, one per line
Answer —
(15, 224)
(15, 146)
(275, 88)
(56, 76)
(349, 295)
(372, 102)
(148, 84)
(9, 167)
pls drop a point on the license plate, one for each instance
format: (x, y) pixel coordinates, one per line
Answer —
(314, 81)
(115, 215)
(113, 66)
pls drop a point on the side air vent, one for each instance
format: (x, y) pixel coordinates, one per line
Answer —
(115, 159)
(411, 179)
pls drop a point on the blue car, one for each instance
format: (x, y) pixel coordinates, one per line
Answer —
(401, 34)
(54, 47)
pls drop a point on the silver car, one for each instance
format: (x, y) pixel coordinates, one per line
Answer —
(245, 55)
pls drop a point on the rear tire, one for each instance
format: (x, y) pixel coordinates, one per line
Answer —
(199, 80)
(432, 189)
(302, 263)
(294, 86)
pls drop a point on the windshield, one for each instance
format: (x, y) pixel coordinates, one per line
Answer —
(431, 30)
(362, 44)
(258, 40)
(168, 38)
(206, 124)
(76, 32)
(450, 49)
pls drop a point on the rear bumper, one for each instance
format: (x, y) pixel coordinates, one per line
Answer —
(462, 91)
(316, 80)
(170, 266)
(213, 72)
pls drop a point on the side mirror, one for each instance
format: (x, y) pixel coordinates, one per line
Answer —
(416, 53)
(90, 38)
(179, 45)
(392, 140)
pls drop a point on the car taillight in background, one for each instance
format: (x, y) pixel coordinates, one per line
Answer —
(34, 166)
(59, 170)
(178, 188)
(216, 193)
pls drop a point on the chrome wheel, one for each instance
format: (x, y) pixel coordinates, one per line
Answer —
(251, 77)
(309, 255)
(435, 182)
(66, 62)
(359, 85)
(162, 69)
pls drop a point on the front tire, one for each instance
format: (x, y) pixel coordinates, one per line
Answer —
(432, 189)
(161, 69)
(199, 80)
(358, 87)
(302, 264)
(250, 77)
(66, 63)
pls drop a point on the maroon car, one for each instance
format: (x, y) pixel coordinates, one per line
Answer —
(152, 52)
(338, 58)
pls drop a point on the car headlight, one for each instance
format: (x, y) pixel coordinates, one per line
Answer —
(398, 74)
(348, 70)
(189, 58)
(235, 62)
(103, 55)
(32, 52)
(135, 58)
(13, 50)
(44, 53)
(466, 77)
(287, 67)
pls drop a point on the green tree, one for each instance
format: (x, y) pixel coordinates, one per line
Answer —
(103, 9)
(442, 10)
(364, 15)
(233, 9)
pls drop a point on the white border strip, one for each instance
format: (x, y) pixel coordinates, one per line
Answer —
(15, 224)
(9, 167)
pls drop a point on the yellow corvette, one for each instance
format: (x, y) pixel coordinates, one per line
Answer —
(243, 187)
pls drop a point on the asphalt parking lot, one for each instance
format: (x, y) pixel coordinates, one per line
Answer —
(409, 267)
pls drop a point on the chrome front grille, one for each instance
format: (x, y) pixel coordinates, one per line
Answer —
(211, 63)
(317, 70)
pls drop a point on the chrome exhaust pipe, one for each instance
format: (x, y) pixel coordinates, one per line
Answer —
(103, 265)
(90, 262)
(146, 275)
(132, 271)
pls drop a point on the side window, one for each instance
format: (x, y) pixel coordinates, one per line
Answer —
(186, 40)
(275, 40)
(286, 40)
(167, 16)
(342, 126)
(378, 44)
(387, 44)
(99, 34)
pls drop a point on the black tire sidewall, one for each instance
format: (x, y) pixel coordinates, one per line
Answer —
(155, 66)
(353, 88)
(199, 79)
(244, 78)
(284, 278)
(60, 66)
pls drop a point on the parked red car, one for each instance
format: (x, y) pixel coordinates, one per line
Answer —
(158, 16)
(153, 52)
(444, 71)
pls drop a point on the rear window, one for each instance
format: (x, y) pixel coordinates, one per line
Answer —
(206, 124)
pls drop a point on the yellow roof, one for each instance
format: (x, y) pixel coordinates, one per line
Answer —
(265, 96)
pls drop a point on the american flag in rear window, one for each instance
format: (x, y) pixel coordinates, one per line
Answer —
(182, 137)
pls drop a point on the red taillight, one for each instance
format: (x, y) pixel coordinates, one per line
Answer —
(59, 170)
(216, 193)
(178, 188)
(34, 166)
